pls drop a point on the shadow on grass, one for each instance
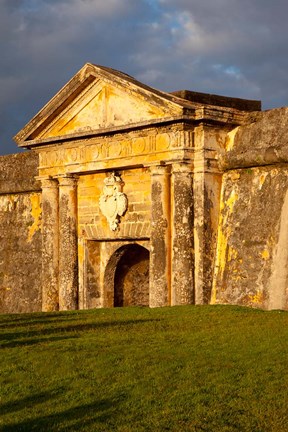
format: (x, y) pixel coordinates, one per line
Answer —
(18, 405)
(30, 323)
(29, 342)
(73, 419)
(20, 338)
(8, 320)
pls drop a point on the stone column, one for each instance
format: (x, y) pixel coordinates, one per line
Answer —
(182, 281)
(50, 244)
(82, 282)
(68, 256)
(160, 273)
(207, 179)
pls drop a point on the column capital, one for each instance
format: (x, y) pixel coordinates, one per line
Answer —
(158, 170)
(181, 167)
(67, 180)
(47, 182)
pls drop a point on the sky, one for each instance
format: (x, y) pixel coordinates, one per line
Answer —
(235, 48)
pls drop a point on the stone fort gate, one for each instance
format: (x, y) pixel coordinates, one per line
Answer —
(131, 191)
(124, 170)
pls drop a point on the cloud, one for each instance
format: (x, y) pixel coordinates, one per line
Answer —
(43, 43)
(230, 47)
(247, 36)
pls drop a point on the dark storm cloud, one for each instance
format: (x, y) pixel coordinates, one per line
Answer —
(230, 47)
(43, 43)
(239, 44)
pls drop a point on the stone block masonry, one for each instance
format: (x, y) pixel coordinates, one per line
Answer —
(20, 234)
(132, 196)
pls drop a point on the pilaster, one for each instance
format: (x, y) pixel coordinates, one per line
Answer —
(160, 272)
(207, 179)
(182, 279)
(50, 244)
(68, 248)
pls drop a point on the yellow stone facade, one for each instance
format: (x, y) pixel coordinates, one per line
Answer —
(139, 197)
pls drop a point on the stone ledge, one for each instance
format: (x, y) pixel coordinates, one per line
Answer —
(262, 141)
(219, 101)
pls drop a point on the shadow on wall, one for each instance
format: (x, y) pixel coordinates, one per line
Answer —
(131, 280)
(126, 280)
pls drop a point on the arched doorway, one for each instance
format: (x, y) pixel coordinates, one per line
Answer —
(131, 279)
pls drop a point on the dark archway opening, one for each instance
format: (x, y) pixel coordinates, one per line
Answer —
(131, 280)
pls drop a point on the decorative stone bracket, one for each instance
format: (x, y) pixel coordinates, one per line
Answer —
(113, 202)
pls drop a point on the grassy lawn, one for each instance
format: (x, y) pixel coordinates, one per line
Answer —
(207, 368)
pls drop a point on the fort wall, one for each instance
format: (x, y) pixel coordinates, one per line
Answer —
(131, 196)
(20, 234)
(251, 265)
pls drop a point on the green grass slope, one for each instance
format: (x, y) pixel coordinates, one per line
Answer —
(206, 368)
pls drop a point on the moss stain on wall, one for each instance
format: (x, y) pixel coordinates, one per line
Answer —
(35, 202)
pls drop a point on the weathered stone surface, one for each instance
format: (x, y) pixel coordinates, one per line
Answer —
(182, 271)
(20, 234)
(219, 101)
(203, 211)
(160, 253)
(20, 252)
(251, 263)
(91, 282)
(209, 142)
(68, 247)
(131, 278)
(50, 245)
(263, 142)
(18, 171)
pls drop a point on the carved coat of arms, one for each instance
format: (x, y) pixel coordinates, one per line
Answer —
(113, 202)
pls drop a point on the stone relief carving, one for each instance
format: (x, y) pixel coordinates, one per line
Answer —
(113, 202)
(109, 150)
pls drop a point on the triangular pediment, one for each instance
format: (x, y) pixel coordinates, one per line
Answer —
(99, 99)
(104, 106)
